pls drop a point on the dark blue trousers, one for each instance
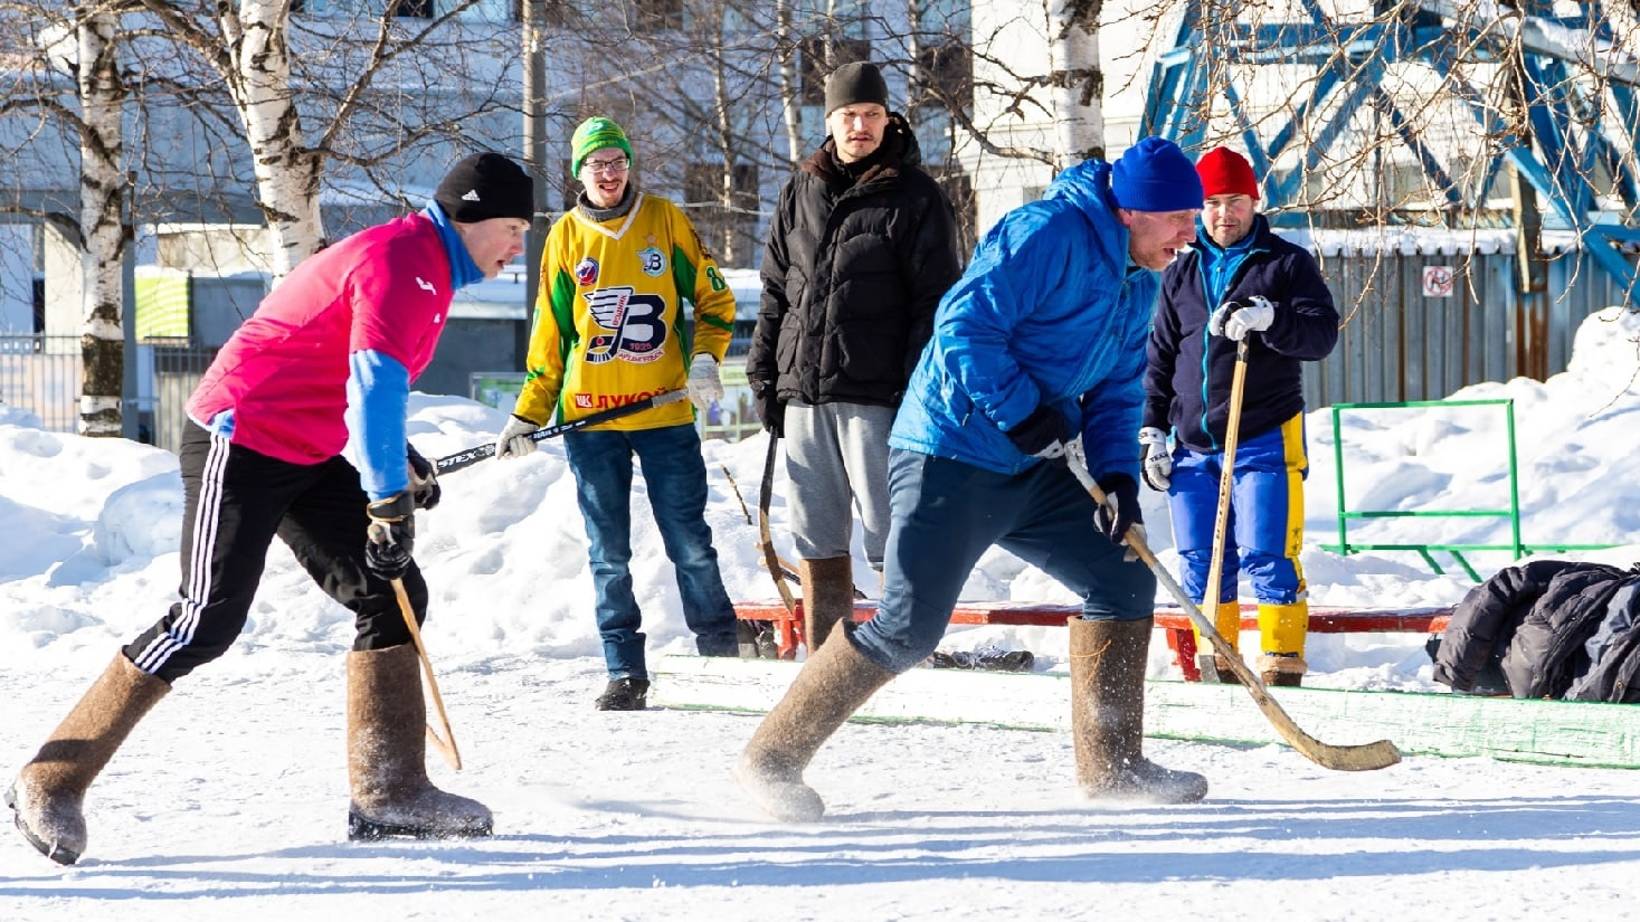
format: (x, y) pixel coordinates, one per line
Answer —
(945, 514)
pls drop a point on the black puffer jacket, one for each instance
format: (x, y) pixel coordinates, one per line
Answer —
(1556, 628)
(852, 273)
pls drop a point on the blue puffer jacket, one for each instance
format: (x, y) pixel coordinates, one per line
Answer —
(1049, 311)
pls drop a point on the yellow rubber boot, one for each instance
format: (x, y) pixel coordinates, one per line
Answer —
(1227, 621)
(1282, 629)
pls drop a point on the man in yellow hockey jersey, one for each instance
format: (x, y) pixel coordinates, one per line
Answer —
(610, 330)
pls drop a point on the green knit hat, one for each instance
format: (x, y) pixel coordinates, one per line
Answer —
(596, 133)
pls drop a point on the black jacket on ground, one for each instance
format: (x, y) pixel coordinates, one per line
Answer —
(852, 273)
(1190, 393)
(1556, 628)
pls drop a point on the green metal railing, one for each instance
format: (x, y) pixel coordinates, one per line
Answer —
(1515, 546)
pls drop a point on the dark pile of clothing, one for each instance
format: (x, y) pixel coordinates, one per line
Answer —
(1547, 629)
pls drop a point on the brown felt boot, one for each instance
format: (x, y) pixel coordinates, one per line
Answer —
(828, 597)
(49, 793)
(832, 685)
(1107, 717)
(387, 752)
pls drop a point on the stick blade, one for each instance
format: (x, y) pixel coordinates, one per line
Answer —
(1366, 757)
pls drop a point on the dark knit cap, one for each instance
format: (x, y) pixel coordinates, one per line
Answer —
(487, 185)
(855, 83)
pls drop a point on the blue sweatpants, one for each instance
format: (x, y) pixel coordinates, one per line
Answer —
(945, 514)
(1266, 530)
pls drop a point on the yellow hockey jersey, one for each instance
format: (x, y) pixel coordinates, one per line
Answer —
(609, 324)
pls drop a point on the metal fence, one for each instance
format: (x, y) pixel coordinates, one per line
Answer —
(1400, 344)
(42, 374)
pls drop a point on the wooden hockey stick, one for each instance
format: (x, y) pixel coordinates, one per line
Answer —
(765, 540)
(1364, 757)
(446, 744)
(787, 568)
(1227, 480)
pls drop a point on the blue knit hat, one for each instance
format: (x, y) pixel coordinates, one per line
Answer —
(1154, 175)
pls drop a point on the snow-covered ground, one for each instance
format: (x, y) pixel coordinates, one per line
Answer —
(230, 798)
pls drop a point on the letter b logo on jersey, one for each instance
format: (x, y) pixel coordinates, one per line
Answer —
(636, 324)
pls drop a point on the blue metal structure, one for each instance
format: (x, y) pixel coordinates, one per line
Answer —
(1351, 60)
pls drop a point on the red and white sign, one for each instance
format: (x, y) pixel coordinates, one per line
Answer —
(1437, 281)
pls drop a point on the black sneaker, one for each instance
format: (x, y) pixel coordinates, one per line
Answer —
(626, 694)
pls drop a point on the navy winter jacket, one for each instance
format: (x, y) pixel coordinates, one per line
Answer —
(1050, 312)
(1187, 381)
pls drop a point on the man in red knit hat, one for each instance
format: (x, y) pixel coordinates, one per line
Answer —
(1239, 282)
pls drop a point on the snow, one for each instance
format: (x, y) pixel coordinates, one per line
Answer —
(230, 798)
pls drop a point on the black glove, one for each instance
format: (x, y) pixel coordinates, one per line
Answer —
(771, 410)
(391, 536)
(1042, 434)
(423, 479)
(1121, 491)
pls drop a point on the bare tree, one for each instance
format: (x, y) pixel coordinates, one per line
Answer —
(791, 114)
(248, 46)
(102, 224)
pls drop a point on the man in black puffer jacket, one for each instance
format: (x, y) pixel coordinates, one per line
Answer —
(862, 246)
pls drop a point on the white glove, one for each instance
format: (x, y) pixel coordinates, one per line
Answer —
(1157, 466)
(515, 441)
(704, 384)
(1235, 319)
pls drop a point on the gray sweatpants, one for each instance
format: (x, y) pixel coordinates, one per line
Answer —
(836, 452)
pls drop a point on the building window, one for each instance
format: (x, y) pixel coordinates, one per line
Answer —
(812, 54)
(728, 232)
(555, 12)
(656, 15)
(413, 9)
(947, 73)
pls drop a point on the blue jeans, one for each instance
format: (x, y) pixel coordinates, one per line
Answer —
(947, 513)
(601, 461)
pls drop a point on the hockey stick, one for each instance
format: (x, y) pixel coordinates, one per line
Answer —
(470, 456)
(1221, 519)
(787, 568)
(446, 744)
(1364, 757)
(765, 541)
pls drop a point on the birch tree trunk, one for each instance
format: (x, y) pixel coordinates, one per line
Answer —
(102, 228)
(723, 123)
(828, 41)
(790, 112)
(1077, 81)
(287, 171)
(915, 79)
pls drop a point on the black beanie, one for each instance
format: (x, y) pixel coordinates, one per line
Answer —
(485, 186)
(855, 83)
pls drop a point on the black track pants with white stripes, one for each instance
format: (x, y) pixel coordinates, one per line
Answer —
(237, 501)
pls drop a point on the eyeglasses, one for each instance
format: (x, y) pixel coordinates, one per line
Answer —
(616, 166)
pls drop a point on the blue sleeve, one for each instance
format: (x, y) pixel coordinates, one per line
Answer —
(1111, 416)
(1113, 409)
(378, 392)
(1018, 262)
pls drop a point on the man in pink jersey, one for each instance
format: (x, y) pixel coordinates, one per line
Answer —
(325, 362)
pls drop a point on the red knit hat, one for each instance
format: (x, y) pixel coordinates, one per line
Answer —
(1225, 172)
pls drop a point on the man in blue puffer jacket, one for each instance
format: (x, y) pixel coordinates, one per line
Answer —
(1040, 342)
